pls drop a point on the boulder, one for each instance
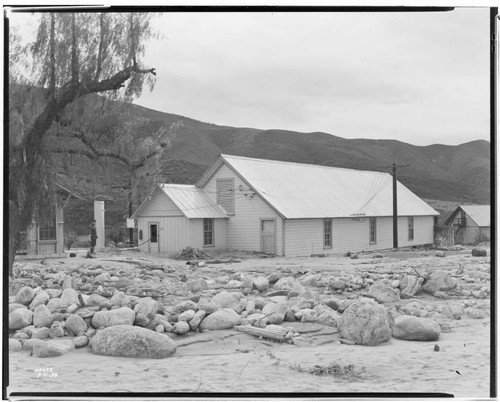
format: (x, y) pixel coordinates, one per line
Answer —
(277, 315)
(478, 252)
(25, 295)
(30, 343)
(54, 293)
(184, 306)
(439, 281)
(261, 283)
(382, 293)
(181, 327)
(56, 330)
(80, 341)
(187, 315)
(98, 301)
(129, 341)
(410, 284)
(415, 308)
(160, 320)
(20, 318)
(57, 305)
(336, 284)
(15, 345)
(15, 306)
(120, 299)
(416, 329)
(440, 253)
(366, 323)
(274, 277)
(52, 348)
(307, 315)
(75, 325)
(227, 300)
(194, 323)
(221, 319)
(70, 296)
(121, 316)
(327, 316)
(40, 333)
(145, 311)
(198, 285)
(289, 283)
(309, 280)
(41, 297)
(42, 316)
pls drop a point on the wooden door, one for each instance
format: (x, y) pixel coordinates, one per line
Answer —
(268, 236)
(153, 238)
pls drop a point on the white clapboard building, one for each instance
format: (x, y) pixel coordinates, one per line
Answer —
(282, 208)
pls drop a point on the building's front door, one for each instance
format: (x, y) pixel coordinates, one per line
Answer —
(268, 240)
(153, 238)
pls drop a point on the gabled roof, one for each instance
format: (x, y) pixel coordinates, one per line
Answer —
(480, 214)
(297, 190)
(192, 201)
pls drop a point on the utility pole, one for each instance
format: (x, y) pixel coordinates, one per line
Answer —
(395, 204)
(394, 207)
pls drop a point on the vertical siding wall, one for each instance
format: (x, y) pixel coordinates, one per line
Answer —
(243, 228)
(175, 230)
(305, 236)
(178, 232)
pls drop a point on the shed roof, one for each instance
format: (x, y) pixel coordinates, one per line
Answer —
(297, 190)
(478, 213)
(193, 201)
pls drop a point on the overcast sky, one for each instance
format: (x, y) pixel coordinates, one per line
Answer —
(421, 78)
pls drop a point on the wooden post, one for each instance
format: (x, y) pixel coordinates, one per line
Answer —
(394, 207)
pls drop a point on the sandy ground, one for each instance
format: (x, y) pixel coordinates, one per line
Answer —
(230, 361)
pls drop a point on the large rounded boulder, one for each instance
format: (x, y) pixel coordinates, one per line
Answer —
(222, 319)
(119, 316)
(366, 323)
(412, 328)
(129, 341)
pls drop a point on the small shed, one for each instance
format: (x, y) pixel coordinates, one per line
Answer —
(175, 216)
(47, 239)
(471, 224)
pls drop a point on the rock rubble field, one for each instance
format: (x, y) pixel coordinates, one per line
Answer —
(140, 310)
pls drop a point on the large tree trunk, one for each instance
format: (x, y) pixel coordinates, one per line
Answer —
(13, 233)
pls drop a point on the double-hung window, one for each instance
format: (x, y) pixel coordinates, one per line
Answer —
(327, 233)
(47, 231)
(208, 232)
(373, 230)
(411, 232)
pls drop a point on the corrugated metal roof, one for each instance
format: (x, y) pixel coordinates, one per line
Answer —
(193, 201)
(479, 214)
(299, 190)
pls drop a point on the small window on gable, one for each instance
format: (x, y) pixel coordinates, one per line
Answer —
(373, 230)
(225, 194)
(208, 232)
(327, 233)
(410, 228)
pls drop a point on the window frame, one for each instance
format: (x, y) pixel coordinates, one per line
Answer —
(47, 231)
(327, 235)
(210, 231)
(411, 228)
(372, 231)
